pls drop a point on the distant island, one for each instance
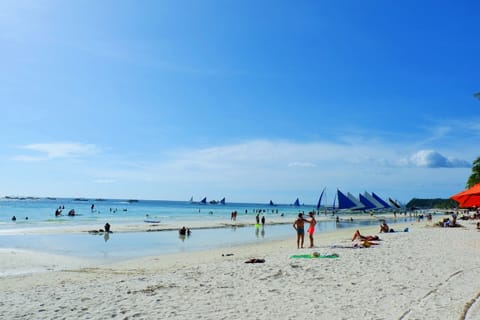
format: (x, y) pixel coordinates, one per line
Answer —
(436, 203)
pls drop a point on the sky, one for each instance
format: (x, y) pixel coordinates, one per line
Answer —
(249, 100)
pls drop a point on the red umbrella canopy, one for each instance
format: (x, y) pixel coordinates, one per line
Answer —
(469, 197)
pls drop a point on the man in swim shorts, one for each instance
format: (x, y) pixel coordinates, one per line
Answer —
(299, 225)
(311, 228)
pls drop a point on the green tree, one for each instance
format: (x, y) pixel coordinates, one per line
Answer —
(475, 176)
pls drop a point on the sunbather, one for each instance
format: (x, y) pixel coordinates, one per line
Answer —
(357, 235)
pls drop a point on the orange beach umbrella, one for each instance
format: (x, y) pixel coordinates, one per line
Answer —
(468, 198)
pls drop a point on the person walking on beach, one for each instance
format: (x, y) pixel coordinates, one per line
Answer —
(311, 228)
(263, 221)
(299, 225)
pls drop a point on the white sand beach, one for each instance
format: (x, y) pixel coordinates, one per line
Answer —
(426, 273)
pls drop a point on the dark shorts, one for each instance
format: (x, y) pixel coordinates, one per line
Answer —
(300, 231)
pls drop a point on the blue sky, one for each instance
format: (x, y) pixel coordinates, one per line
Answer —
(248, 100)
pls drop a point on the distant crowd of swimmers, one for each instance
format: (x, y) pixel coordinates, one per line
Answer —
(72, 213)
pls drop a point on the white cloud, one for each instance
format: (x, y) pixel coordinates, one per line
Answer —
(260, 170)
(48, 151)
(302, 164)
(433, 159)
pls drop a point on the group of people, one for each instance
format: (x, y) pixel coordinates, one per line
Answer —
(364, 241)
(257, 219)
(184, 232)
(58, 212)
(299, 226)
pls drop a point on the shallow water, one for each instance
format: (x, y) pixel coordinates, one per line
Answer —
(126, 245)
(41, 212)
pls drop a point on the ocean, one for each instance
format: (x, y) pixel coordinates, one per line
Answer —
(39, 213)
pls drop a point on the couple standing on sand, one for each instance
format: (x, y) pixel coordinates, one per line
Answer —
(299, 225)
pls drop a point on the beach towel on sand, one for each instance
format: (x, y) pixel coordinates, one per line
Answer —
(314, 256)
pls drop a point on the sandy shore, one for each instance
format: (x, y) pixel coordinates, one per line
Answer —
(426, 273)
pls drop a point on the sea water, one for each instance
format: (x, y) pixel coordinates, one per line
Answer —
(41, 212)
(126, 245)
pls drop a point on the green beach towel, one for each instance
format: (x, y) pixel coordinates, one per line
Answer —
(311, 256)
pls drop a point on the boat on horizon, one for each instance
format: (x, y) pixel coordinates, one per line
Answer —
(297, 203)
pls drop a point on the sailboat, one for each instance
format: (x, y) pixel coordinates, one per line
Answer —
(375, 202)
(204, 201)
(333, 205)
(319, 203)
(348, 201)
(381, 201)
(395, 203)
(271, 203)
(297, 203)
(222, 201)
(368, 205)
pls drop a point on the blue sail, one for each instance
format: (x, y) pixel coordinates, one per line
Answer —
(320, 200)
(381, 201)
(222, 201)
(367, 204)
(204, 200)
(344, 202)
(271, 203)
(297, 203)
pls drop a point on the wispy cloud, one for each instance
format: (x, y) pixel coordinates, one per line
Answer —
(49, 151)
(302, 164)
(251, 170)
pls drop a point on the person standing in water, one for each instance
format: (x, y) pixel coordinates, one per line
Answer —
(311, 228)
(299, 225)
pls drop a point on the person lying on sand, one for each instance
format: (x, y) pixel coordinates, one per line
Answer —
(357, 235)
(255, 260)
(365, 244)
